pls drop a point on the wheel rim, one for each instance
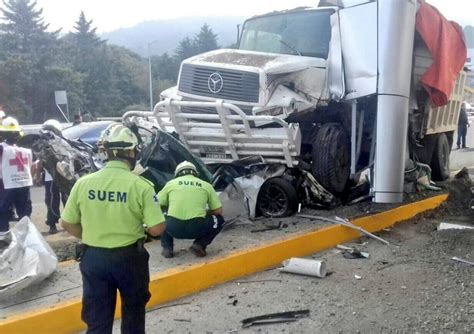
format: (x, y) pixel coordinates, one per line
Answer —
(273, 200)
(341, 163)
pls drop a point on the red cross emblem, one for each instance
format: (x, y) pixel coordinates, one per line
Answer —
(20, 161)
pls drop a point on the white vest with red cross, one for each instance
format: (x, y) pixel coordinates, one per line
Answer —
(15, 169)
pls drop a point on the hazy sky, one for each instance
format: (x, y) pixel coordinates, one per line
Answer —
(112, 14)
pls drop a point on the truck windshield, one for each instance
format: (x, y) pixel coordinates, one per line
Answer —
(304, 33)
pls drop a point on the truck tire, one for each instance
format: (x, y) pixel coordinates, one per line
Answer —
(440, 160)
(277, 198)
(331, 158)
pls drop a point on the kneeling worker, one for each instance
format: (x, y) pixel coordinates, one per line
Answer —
(187, 198)
(107, 210)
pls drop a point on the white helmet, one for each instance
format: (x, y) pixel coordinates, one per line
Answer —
(118, 137)
(184, 168)
(10, 124)
(52, 125)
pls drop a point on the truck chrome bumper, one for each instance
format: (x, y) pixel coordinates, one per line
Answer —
(226, 133)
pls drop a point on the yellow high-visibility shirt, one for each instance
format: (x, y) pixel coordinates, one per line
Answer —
(112, 205)
(188, 197)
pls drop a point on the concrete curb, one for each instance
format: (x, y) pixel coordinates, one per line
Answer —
(181, 281)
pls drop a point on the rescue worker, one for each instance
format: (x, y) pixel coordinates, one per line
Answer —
(15, 177)
(186, 199)
(77, 119)
(463, 124)
(108, 210)
(52, 196)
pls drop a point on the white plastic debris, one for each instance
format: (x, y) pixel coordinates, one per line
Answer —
(462, 260)
(304, 267)
(27, 260)
(449, 226)
(357, 277)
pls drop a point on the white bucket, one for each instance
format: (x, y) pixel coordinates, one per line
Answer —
(304, 267)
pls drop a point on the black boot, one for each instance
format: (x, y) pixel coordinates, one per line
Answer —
(198, 250)
(52, 229)
(167, 252)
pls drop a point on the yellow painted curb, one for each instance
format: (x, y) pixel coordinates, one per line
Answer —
(184, 280)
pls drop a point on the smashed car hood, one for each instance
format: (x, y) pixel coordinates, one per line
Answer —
(253, 61)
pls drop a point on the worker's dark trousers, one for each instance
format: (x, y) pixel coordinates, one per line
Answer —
(19, 198)
(462, 132)
(104, 272)
(203, 230)
(52, 198)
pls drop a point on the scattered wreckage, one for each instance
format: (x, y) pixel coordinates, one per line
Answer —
(247, 187)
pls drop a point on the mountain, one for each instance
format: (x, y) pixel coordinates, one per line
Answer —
(170, 32)
(469, 35)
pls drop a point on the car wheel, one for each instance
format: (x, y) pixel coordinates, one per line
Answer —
(277, 198)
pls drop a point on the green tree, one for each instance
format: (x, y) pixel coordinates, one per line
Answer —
(129, 82)
(27, 52)
(185, 49)
(88, 55)
(85, 35)
(205, 40)
(165, 67)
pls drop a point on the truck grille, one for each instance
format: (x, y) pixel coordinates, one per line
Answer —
(202, 110)
(237, 85)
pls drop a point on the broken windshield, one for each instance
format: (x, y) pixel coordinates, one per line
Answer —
(305, 33)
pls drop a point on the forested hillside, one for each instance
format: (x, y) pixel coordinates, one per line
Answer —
(101, 79)
(168, 33)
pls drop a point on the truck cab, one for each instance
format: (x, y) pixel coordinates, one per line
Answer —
(328, 90)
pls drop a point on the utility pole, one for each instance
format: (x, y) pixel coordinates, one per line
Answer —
(149, 74)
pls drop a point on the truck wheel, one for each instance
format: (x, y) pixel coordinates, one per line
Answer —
(440, 160)
(277, 198)
(331, 158)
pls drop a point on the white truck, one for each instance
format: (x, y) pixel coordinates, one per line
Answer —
(331, 90)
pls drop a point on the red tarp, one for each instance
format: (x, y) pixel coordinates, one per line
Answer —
(445, 40)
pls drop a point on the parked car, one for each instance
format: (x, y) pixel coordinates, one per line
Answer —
(87, 132)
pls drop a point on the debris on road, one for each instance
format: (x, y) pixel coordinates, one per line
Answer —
(345, 222)
(352, 253)
(234, 302)
(450, 226)
(357, 277)
(304, 267)
(275, 318)
(28, 259)
(462, 260)
(279, 226)
(182, 320)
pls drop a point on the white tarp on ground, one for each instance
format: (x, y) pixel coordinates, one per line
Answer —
(28, 260)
